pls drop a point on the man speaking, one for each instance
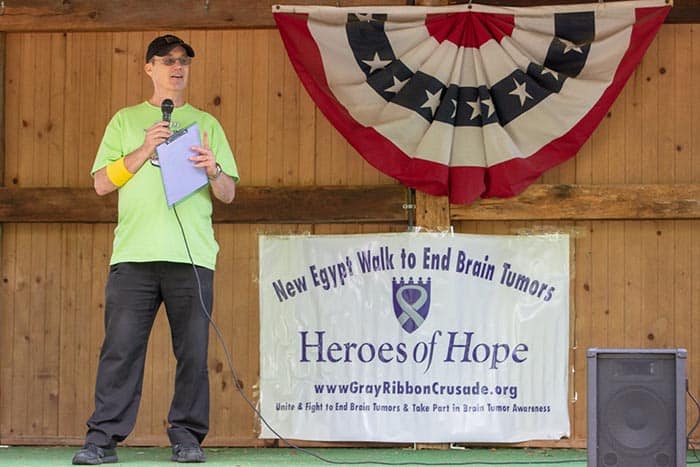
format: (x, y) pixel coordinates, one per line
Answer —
(161, 254)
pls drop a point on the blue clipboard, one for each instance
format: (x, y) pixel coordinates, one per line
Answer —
(180, 177)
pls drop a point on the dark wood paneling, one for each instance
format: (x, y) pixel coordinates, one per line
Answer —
(137, 15)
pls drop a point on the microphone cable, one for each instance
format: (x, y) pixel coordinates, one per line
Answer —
(229, 362)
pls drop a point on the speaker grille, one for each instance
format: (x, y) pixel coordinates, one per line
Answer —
(639, 420)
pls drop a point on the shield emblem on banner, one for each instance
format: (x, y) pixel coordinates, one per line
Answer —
(411, 302)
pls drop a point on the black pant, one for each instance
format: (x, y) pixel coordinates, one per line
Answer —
(134, 293)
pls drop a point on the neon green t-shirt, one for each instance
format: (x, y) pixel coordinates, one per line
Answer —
(147, 229)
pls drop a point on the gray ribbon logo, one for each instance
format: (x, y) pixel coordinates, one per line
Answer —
(411, 302)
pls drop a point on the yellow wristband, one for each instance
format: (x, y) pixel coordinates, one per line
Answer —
(118, 173)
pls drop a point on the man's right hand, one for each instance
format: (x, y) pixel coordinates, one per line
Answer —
(155, 135)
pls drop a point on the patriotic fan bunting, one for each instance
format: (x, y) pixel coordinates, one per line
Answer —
(468, 100)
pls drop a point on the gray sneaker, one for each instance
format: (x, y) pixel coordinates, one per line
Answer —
(92, 454)
(188, 453)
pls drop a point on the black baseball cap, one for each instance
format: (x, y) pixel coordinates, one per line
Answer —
(161, 45)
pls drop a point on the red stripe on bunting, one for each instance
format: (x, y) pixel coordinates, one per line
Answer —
(305, 56)
(469, 29)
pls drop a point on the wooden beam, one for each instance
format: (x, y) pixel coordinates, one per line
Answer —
(153, 15)
(373, 204)
(588, 202)
(139, 15)
(315, 205)
(683, 11)
(321, 205)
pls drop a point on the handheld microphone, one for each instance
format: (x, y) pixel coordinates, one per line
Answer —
(167, 107)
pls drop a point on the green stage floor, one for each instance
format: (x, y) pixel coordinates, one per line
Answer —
(37, 456)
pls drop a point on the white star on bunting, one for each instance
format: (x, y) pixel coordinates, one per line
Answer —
(491, 108)
(376, 63)
(396, 87)
(569, 46)
(520, 91)
(476, 108)
(432, 102)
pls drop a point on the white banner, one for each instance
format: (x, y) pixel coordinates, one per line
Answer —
(414, 337)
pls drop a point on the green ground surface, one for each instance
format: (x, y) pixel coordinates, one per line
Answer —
(233, 457)
(39, 456)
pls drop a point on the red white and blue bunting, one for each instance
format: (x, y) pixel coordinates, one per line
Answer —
(468, 101)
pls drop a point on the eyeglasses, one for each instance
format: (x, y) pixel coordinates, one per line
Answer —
(170, 61)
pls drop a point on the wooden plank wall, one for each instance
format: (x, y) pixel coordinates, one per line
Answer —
(634, 281)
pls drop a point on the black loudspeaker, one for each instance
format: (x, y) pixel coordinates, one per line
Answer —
(636, 407)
